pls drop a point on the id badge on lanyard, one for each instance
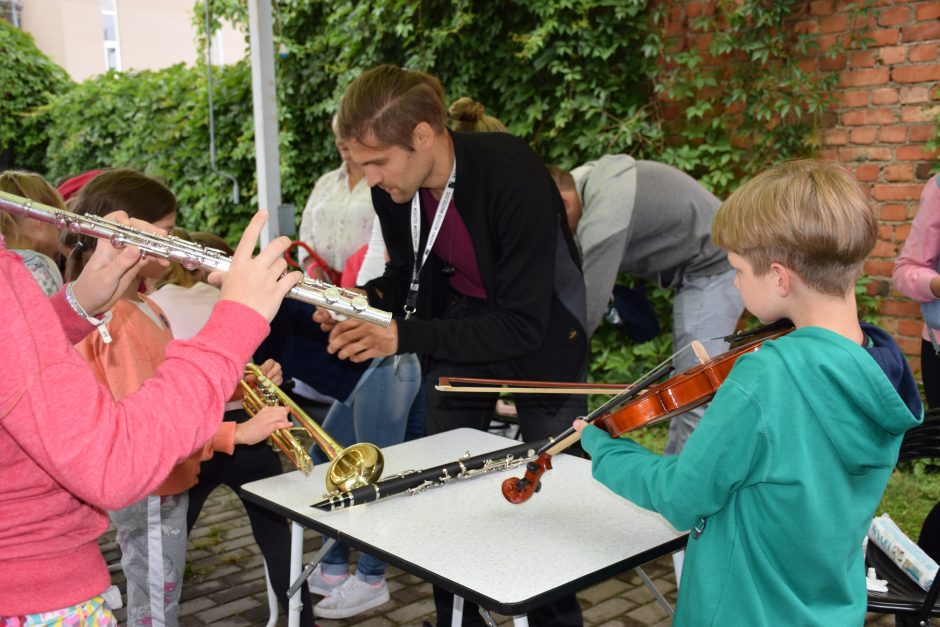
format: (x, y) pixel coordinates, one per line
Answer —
(411, 303)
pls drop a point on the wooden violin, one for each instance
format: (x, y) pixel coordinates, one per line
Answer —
(640, 406)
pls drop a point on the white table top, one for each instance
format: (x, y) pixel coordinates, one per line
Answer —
(466, 537)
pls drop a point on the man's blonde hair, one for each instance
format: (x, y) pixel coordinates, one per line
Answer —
(390, 102)
(810, 216)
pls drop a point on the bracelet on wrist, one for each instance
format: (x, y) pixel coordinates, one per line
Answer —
(101, 324)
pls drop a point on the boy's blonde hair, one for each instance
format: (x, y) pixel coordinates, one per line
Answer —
(808, 215)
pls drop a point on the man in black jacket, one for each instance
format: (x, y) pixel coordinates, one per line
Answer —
(483, 273)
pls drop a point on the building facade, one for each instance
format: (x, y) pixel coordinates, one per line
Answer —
(88, 37)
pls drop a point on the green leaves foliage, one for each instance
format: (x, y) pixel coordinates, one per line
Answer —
(158, 122)
(30, 79)
(565, 74)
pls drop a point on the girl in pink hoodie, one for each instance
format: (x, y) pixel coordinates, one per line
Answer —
(68, 450)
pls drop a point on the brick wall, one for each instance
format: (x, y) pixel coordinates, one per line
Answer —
(885, 111)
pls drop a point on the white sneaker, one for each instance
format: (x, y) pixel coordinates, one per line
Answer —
(324, 585)
(353, 597)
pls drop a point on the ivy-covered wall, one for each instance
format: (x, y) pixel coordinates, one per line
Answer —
(880, 67)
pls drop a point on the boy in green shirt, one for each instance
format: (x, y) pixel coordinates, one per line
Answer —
(781, 478)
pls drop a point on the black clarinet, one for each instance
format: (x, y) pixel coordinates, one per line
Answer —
(415, 481)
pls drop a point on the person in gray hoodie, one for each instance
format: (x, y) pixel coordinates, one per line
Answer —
(653, 222)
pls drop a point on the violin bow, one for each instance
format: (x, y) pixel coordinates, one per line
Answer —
(474, 385)
(447, 384)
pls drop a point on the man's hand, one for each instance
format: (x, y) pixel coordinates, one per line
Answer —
(324, 317)
(110, 271)
(359, 341)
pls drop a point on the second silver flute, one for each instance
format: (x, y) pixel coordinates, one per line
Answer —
(189, 255)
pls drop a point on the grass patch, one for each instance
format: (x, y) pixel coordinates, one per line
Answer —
(234, 559)
(213, 536)
(913, 490)
(193, 573)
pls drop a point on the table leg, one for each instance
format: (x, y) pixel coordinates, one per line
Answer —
(299, 578)
(456, 615)
(296, 560)
(656, 593)
(520, 621)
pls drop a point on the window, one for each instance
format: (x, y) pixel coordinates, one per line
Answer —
(112, 45)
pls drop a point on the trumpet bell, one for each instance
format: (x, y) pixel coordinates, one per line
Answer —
(354, 467)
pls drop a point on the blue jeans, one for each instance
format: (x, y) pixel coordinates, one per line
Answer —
(385, 408)
(704, 307)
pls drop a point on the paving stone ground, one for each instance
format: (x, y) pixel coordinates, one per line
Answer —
(225, 586)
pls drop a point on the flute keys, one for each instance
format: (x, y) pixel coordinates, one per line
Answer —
(331, 295)
(359, 303)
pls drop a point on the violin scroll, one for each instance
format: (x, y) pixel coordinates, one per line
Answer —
(518, 491)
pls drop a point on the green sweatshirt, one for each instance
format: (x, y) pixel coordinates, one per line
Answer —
(784, 473)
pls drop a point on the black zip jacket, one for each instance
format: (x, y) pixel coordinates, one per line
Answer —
(527, 260)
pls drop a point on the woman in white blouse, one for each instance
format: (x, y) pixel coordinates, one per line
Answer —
(337, 220)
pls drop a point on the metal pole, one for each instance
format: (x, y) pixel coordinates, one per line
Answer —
(264, 98)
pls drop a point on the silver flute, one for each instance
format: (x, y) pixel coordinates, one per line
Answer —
(190, 255)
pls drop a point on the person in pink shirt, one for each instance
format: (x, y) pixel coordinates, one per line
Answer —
(68, 450)
(915, 275)
(152, 532)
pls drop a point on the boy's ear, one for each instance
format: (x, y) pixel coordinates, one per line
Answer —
(783, 279)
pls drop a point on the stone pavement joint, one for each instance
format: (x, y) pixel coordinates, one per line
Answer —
(225, 583)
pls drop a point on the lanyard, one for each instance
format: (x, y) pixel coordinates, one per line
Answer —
(442, 205)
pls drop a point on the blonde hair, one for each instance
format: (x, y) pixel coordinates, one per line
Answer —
(466, 115)
(810, 216)
(389, 102)
(28, 185)
(177, 274)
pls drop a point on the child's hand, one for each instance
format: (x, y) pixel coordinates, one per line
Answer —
(262, 424)
(111, 270)
(578, 425)
(272, 370)
(258, 282)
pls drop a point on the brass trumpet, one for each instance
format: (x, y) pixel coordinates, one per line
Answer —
(351, 467)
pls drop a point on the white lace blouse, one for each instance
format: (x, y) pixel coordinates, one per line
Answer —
(336, 221)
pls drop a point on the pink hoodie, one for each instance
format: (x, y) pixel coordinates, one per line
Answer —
(69, 451)
(917, 263)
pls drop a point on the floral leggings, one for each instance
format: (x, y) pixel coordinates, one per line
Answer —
(91, 613)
